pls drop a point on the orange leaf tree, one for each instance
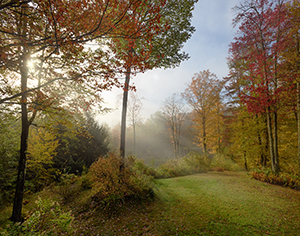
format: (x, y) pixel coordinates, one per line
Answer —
(163, 31)
(203, 95)
(53, 36)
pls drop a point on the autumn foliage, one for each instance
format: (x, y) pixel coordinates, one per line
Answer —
(282, 179)
(260, 81)
(203, 95)
(56, 56)
(112, 184)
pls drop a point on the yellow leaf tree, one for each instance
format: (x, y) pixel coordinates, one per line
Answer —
(41, 150)
(203, 95)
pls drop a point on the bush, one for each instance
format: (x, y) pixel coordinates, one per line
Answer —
(191, 164)
(139, 167)
(112, 183)
(282, 179)
(47, 219)
(222, 163)
(68, 187)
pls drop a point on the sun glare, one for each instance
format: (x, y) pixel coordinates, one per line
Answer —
(31, 64)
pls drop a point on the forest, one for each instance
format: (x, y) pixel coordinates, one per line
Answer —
(58, 56)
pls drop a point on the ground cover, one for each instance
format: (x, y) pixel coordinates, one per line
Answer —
(213, 203)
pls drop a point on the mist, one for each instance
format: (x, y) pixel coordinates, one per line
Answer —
(153, 142)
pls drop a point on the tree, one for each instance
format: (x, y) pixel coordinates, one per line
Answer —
(52, 35)
(134, 110)
(291, 57)
(174, 113)
(42, 145)
(9, 150)
(154, 147)
(162, 51)
(260, 39)
(81, 142)
(240, 122)
(203, 95)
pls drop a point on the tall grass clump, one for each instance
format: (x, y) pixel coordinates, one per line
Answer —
(191, 164)
(223, 163)
(68, 187)
(112, 184)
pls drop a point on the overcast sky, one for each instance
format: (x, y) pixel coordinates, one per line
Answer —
(208, 49)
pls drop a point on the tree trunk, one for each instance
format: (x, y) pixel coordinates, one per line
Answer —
(260, 143)
(219, 137)
(134, 142)
(271, 141)
(266, 138)
(204, 134)
(178, 136)
(124, 111)
(18, 199)
(276, 155)
(245, 161)
(298, 120)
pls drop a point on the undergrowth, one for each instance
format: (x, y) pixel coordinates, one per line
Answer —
(47, 219)
(115, 179)
(282, 179)
(195, 163)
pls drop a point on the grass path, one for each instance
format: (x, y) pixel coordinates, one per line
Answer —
(214, 203)
(230, 204)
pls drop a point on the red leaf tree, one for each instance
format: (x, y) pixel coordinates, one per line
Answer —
(260, 41)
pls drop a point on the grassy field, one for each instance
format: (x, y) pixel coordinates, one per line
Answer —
(230, 204)
(215, 203)
(226, 203)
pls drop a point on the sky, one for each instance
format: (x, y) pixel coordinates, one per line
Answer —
(208, 49)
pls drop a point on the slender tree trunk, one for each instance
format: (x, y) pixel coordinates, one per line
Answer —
(134, 142)
(266, 138)
(124, 111)
(271, 140)
(204, 134)
(260, 143)
(18, 199)
(219, 136)
(276, 155)
(245, 161)
(298, 120)
(178, 135)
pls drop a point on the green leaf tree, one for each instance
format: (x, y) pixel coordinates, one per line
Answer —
(172, 29)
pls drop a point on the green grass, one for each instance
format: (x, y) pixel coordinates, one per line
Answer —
(230, 204)
(214, 203)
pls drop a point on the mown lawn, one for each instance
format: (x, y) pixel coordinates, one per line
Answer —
(215, 203)
(230, 204)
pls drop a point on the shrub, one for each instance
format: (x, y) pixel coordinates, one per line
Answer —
(68, 187)
(197, 162)
(139, 167)
(47, 219)
(190, 164)
(282, 179)
(85, 182)
(221, 163)
(112, 183)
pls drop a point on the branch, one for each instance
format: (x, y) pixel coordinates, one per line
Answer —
(33, 89)
(12, 3)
